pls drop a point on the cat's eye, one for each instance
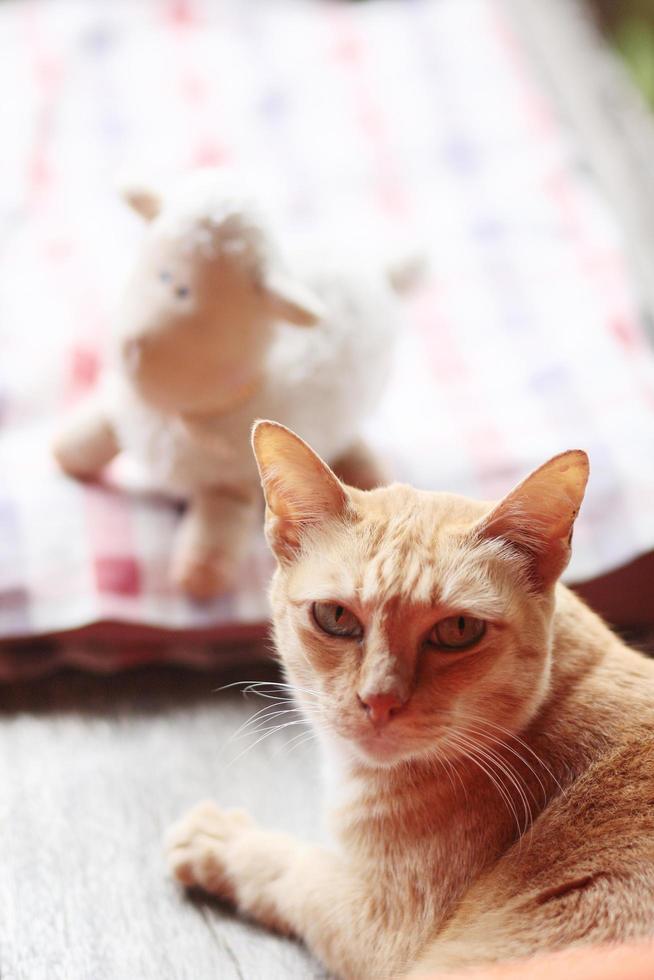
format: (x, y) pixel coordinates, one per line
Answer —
(336, 620)
(457, 632)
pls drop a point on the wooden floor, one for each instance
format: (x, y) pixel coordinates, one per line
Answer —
(92, 771)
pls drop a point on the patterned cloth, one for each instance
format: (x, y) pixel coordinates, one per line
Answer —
(411, 120)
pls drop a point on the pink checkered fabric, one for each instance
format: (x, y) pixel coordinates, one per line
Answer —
(413, 120)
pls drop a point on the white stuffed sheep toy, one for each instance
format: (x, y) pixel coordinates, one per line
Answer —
(214, 333)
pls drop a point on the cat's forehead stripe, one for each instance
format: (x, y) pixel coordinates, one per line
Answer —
(414, 561)
(411, 553)
(401, 558)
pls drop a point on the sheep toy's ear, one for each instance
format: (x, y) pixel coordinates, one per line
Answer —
(143, 200)
(287, 299)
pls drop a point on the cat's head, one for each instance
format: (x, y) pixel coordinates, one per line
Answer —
(407, 618)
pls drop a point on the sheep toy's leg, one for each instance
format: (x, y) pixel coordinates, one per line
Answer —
(359, 467)
(213, 538)
(87, 444)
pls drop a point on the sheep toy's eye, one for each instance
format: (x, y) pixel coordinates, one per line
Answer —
(182, 291)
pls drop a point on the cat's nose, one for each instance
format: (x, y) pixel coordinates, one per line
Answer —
(380, 708)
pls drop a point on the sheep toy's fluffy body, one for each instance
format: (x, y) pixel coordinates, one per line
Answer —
(213, 334)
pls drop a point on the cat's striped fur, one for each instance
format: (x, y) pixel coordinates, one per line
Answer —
(504, 803)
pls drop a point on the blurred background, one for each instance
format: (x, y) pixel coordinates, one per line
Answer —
(629, 25)
(508, 141)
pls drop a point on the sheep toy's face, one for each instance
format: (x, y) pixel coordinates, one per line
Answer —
(195, 328)
(199, 311)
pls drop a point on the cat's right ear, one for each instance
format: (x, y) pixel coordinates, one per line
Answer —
(537, 518)
(300, 489)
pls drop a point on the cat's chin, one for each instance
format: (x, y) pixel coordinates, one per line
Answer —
(379, 750)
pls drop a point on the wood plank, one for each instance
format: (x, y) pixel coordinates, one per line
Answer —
(93, 770)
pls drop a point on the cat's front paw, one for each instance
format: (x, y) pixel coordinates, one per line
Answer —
(198, 846)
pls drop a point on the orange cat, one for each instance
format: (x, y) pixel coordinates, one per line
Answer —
(490, 740)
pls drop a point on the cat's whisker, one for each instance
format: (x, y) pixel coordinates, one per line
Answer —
(448, 772)
(256, 688)
(521, 787)
(469, 753)
(515, 780)
(506, 769)
(456, 772)
(447, 768)
(267, 734)
(451, 764)
(501, 788)
(297, 740)
(262, 724)
(273, 706)
(267, 711)
(265, 725)
(299, 735)
(277, 728)
(264, 688)
(267, 695)
(508, 736)
(264, 693)
(514, 752)
(515, 737)
(227, 687)
(269, 723)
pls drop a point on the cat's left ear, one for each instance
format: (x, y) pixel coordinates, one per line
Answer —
(538, 516)
(300, 489)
